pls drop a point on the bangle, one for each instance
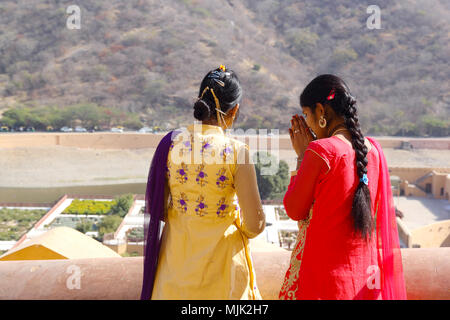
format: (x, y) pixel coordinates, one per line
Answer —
(299, 162)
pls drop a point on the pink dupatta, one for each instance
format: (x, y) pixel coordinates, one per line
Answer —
(389, 254)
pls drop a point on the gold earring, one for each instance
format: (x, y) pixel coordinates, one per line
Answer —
(322, 122)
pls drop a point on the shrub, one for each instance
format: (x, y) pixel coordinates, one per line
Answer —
(87, 207)
(108, 224)
(84, 226)
(16, 222)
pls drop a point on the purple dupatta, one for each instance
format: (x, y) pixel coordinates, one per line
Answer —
(154, 212)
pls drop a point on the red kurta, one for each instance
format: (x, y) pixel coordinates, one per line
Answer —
(336, 262)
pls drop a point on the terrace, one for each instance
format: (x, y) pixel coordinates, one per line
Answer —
(49, 279)
(427, 276)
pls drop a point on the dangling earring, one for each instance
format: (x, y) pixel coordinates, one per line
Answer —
(322, 122)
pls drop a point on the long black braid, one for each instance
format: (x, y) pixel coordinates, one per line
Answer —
(344, 105)
(361, 208)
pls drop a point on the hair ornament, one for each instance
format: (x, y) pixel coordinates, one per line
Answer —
(219, 112)
(331, 95)
(203, 93)
(222, 68)
(364, 179)
(214, 75)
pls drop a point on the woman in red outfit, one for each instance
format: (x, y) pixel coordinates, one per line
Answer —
(348, 245)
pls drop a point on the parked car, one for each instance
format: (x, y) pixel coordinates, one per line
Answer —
(80, 129)
(4, 129)
(30, 129)
(66, 129)
(145, 130)
(117, 130)
(50, 128)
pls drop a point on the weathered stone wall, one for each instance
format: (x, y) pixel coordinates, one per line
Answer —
(133, 140)
(427, 276)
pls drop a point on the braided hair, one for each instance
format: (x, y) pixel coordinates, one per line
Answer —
(226, 88)
(344, 105)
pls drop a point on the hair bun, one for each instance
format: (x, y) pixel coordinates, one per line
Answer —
(201, 110)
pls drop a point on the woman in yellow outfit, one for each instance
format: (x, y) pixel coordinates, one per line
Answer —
(213, 204)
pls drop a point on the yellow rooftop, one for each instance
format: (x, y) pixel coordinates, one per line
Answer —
(59, 243)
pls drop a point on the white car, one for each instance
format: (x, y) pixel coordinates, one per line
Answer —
(80, 129)
(66, 129)
(145, 130)
(117, 130)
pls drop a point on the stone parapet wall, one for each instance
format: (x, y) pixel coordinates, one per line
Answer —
(133, 140)
(427, 276)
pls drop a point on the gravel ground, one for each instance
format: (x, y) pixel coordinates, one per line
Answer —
(68, 166)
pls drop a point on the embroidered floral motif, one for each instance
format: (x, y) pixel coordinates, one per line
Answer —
(226, 153)
(200, 209)
(290, 285)
(201, 176)
(222, 180)
(182, 202)
(182, 174)
(186, 148)
(206, 146)
(221, 208)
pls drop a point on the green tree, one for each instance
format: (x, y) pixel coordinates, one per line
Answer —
(342, 56)
(88, 113)
(271, 186)
(434, 126)
(302, 42)
(121, 205)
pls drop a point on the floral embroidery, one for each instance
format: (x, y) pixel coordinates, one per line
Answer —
(206, 146)
(200, 209)
(186, 148)
(182, 202)
(222, 207)
(201, 176)
(222, 179)
(290, 285)
(182, 174)
(226, 152)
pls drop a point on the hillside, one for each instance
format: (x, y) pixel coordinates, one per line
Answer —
(149, 56)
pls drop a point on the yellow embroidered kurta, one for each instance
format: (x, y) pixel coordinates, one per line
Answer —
(204, 254)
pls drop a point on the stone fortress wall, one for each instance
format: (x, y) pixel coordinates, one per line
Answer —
(134, 140)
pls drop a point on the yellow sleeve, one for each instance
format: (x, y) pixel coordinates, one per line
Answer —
(253, 219)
